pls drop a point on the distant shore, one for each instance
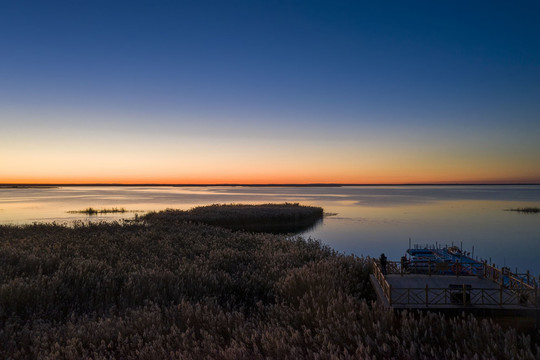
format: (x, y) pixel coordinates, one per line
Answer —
(24, 186)
(41, 186)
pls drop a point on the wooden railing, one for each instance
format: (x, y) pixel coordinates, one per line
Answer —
(506, 278)
(464, 297)
(381, 279)
(512, 290)
(434, 268)
(498, 276)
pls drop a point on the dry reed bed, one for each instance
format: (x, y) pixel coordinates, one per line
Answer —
(191, 291)
(93, 211)
(275, 218)
(526, 210)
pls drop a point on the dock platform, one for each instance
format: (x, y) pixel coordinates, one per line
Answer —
(414, 291)
(429, 283)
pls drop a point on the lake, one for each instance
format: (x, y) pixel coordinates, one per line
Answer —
(364, 220)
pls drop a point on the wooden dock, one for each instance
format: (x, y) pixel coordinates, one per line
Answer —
(490, 290)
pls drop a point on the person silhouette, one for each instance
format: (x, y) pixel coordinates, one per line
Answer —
(384, 261)
(404, 263)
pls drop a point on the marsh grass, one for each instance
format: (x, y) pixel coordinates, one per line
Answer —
(182, 290)
(526, 210)
(92, 211)
(268, 218)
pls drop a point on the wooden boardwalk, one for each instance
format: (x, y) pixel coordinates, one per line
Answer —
(423, 291)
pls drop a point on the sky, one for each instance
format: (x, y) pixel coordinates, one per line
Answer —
(269, 91)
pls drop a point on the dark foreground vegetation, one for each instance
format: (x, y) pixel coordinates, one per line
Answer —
(177, 290)
(271, 218)
(527, 210)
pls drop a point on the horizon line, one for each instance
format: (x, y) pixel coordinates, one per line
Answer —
(266, 185)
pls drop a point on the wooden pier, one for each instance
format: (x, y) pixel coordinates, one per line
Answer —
(488, 288)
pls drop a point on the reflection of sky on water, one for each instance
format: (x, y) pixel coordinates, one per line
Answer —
(369, 219)
(401, 195)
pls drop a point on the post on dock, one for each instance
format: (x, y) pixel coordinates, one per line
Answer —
(536, 304)
(536, 296)
(429, 267)
(403, 264)
(501, 295)
(483, 296)
(427, 295)
(464, 295)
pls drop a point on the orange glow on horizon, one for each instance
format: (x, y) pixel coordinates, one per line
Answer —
(78, 160)
(276, 180)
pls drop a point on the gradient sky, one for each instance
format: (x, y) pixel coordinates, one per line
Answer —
(269, 91)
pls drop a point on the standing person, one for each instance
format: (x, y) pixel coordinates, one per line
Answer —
(404, 263)
(383, 262)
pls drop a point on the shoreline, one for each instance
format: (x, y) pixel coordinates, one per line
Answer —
(52, 185)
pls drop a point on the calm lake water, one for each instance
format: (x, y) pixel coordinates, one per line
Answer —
(369, 220)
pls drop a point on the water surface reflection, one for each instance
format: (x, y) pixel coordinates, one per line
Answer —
(369, 220)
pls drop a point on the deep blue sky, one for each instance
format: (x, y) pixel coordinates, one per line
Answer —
(466, 74)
